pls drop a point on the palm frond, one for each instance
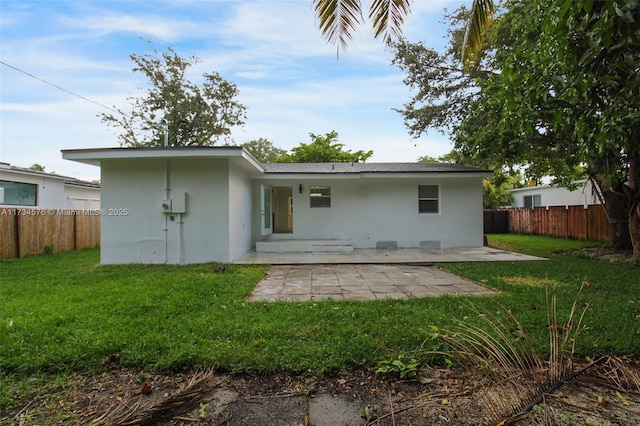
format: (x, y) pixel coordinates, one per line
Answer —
(520, 377)
(387, 17)
(482, 13)
(337, 20)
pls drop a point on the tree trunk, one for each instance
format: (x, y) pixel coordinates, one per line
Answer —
(634, 229)
(633, 192)
(616, 207)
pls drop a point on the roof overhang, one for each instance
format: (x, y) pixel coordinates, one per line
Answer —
(94, 156)
(374, 175)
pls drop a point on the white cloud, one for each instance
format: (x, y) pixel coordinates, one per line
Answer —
(287, 74)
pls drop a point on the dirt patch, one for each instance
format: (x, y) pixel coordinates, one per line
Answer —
(436, 397)
(604, 253)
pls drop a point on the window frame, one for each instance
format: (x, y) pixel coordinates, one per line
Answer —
(319, 196)
(429, 199)
(34, 188)
(533, 198)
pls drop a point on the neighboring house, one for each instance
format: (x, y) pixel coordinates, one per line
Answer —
(195, 205)
(547, 195)
(28, 188)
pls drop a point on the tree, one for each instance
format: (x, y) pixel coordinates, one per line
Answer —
(37, 167)
(568, 97)
(196, 115)
(339, 19)
(324, 149)
(443, 91)
(263, 150)
(480, 19)
(495, 190)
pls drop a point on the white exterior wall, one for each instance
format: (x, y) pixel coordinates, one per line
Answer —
(50, 190)
(81, 197)
(146, 234)
(373, 210)
(240, 208)
(555, 196)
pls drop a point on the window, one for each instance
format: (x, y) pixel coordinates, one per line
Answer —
(532, 201)
(18, 194)
(428, 201)
(320, 196)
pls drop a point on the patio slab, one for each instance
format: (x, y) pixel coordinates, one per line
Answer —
(387, 256)
(362, 282)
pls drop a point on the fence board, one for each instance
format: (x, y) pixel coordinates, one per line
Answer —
(35, 231)
(574, 222)
(87, 231)
(8, 241)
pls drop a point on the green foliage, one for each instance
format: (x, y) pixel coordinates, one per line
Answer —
(443, 91)
(338, 20)
(495, 190)
(324, 149)
(263, 150)
(563, 93)
(196, 115)
(404, 367)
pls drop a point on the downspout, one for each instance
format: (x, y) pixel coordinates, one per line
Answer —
(166, 191)
(166, 216)
(180, 240)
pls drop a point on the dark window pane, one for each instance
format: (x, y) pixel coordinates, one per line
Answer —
(320, 202)
(428, 206)
(320, 196)
(428, 191)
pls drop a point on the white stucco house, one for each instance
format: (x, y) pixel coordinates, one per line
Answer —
(205, 204)
(28, 188)
(547, 196)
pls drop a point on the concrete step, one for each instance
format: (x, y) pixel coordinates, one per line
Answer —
(304, 246)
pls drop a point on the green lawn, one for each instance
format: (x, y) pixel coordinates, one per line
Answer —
(62, 313)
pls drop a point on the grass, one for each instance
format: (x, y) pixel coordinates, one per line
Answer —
(63, 313)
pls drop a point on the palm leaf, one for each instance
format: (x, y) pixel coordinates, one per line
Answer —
(520, 377)
(481, 17)
(338, 19)
(387, 17)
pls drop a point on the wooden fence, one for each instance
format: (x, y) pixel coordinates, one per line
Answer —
(574, 222)
(25, 231)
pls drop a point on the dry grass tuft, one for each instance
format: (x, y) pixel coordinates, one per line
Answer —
(531, 281)
(137, 411)
(520, 378)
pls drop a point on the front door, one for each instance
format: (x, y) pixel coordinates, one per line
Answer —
(265, 210)
(283, 210)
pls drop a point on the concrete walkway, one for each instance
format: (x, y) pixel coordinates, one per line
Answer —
(370, 256)
(360, 282)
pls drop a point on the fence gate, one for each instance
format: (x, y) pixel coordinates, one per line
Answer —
(496, 222)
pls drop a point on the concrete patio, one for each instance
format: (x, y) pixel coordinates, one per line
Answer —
(372, 256)
(370, 274)
(361, 282)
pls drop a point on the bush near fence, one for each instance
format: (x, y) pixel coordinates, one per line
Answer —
(574, 222)
(25, 231)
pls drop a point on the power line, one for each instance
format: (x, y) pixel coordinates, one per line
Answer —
(59, 87)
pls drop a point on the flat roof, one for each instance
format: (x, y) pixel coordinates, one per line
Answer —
(350, 168)
(94, 156)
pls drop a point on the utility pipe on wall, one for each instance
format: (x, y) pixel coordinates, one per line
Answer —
(166, 223)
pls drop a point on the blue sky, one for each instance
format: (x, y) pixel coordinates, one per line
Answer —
(288, 76)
